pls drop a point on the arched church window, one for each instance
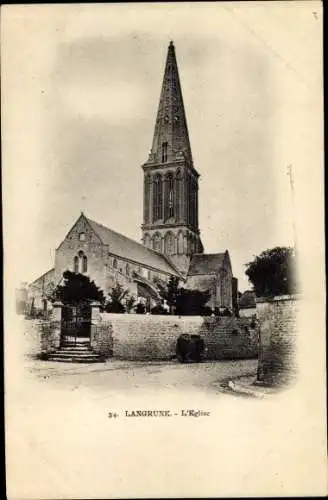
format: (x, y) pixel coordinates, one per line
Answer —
(76, 264)
(115, 264)
(169, 244)
(82, 236)
(157, 242)
(180, 243)
(127, 269)
(164, 152)
(80, 263)
(147, 240)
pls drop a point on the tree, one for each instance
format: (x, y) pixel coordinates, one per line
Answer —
(120, 300)
(130, 303)
(169, 291)
(77, 289)
(183, 301)
(192, 302)
(140, 308)
(273, 272)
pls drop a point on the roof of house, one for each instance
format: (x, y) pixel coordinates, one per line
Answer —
(247, 300)
(130, 249)
(43, 276)
(206, 263)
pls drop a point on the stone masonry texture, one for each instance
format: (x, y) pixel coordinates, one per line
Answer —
(278, 330)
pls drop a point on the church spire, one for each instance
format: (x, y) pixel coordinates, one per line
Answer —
(171, 138)
(170, 222)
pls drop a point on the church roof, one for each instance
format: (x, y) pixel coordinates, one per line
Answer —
(126, 247)
(47, 274)
(206, 263)
(171, 124)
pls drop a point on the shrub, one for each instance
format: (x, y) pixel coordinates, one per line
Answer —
(158, 309)
(140, 308)
(273, 272)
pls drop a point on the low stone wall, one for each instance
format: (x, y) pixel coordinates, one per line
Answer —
(50, 336)
(278, 329)
(229, 338)
(154, 337)
(101, 340)
(41, 336)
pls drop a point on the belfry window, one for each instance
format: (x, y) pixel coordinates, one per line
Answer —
(158, 198)
(164, 152)
(171, 202)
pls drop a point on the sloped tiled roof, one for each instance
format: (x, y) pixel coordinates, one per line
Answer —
(130, 249)
(47, 274)
(205, 263)
(247, 300)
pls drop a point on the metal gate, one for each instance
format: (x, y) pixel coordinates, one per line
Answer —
(75, 325)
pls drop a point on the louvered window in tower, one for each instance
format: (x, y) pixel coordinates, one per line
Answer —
(171, 200)
(164, 152)
(146, 199)
(158, 198)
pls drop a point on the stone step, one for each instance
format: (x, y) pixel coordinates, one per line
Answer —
(75, 359)
(75, 355)
(80, 354)
(77, 348)
(73, 352)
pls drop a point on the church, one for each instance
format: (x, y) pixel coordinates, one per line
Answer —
(171, 243)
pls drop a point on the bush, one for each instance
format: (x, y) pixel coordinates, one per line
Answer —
(114, 307)
(159, 309)
(273, 272)
(77, 289)
(140, 308)
(191, 302)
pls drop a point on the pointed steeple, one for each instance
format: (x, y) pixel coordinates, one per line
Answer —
(171, 138)
(170, 222)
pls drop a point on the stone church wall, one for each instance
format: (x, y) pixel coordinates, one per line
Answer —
(94, 253)
(203, 283)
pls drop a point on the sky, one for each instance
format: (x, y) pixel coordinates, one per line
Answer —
(81, 86)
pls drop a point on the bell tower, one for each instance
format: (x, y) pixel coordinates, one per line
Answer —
(170, 216)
